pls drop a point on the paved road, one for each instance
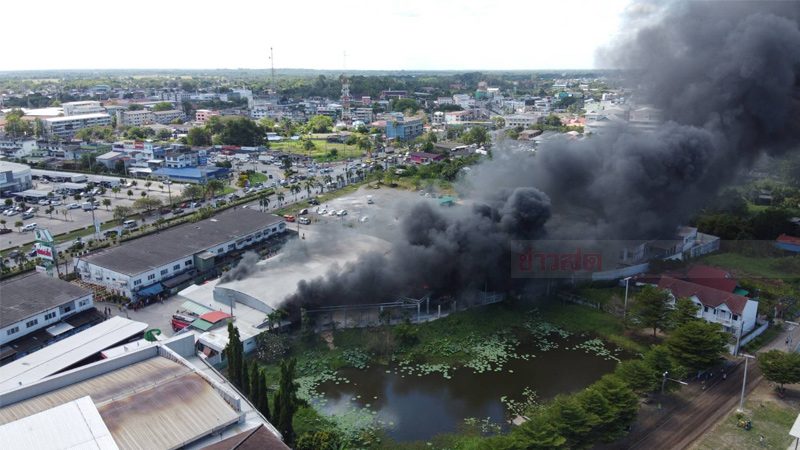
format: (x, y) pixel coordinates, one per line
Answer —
(697, 410)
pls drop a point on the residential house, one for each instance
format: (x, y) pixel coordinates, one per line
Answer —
(424, 157)
(735, 313)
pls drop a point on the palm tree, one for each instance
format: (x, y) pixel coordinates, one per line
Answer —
(295, 189)
(18, 225)
(144, 194)
(107, 203)
(281, 197)
(115, 190)
(264, 202)
(50, 210)
(327, 179)
(147, 184)
(309, 184)
(321, 187)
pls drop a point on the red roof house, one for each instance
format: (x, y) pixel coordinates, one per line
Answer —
(708, 296)
(711, 277)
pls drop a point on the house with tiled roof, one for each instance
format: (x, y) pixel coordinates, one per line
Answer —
(735, 313)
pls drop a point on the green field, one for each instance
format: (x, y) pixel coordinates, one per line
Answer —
(771, 419)
(321, 151)
(786, 267)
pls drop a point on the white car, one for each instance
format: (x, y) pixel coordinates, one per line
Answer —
(332, 212)
(55, 202)
(29, 227)
(73, 206)
(342, 213)
(322, 212)
(44, 202)
(11, 212)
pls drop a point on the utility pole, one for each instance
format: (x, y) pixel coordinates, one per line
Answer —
(744, 381)
(272, 68)
(625, 306)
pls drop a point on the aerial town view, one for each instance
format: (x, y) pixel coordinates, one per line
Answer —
(400, 225)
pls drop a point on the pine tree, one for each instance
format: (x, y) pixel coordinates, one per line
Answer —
(286, 401)
(253, 378)
(246, 378)
(652, 308)
(262, 394)
(234, 352)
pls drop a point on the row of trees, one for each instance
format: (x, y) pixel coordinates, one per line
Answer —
(251, 381)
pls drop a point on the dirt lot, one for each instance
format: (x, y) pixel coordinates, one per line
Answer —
(771, 416)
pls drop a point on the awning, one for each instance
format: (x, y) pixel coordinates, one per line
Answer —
(195, 308)
(59, 328)
(177, 281)
(149, 291)
(201, 325)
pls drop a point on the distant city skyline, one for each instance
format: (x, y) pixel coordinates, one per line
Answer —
(391, 35)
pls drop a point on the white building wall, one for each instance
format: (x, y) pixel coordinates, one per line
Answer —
(45, 318)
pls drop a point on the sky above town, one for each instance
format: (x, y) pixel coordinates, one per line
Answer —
(311, 34)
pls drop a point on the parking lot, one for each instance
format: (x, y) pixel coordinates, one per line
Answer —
(66, 218)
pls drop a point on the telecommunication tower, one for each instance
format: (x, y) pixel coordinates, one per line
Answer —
(346, 117)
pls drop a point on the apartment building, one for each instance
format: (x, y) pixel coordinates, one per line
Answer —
(67, 126)
(83, 107)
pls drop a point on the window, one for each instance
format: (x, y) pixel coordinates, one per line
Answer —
(67, 309)
(49, 315)
(176, 267)
(189, 261)
(735, 317)
(164, 271)
(31, 323)
(705, 308)
(152, 276)
(137, 282)
(83, 302)
(11, 331)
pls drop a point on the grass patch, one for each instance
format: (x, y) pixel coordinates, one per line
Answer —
(785, 267)
(321, 151)
(770, 419)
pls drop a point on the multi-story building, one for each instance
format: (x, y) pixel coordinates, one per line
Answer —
(83, 107)
(38, 301)
(67, 126)
(403, 128)
(18, 148)
(135, 118)
(465, 101)
(201, 115)
(138, 269)
(180, 158)
(363, 114)
(165, 117)
(522, 120)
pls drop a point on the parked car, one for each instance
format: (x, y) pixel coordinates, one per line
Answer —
(29, 227)
(5, 230)
(73, 206)
(177, 211)
(313, 201)
(303, 212)
(304, 220)
(44, 202)
(55, 202)
(11, 212)
(289, 218)
(342, 212)
(27, 215)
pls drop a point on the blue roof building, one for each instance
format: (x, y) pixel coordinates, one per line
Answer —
(192, 174)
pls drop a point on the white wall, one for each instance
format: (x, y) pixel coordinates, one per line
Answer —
(42, 321)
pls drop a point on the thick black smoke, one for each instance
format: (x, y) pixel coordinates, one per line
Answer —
(726, 76)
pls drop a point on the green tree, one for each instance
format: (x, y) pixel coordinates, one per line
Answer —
(107, 203)
(697, 345)
(213, 187)
(253, 378)
(246, 368)
(162, 106)
(638, 375)
(540, 431)
(262, 395)
(135, 107)
(405, 104)
(475, 135)
(613, 403)
(574, 422)
(164, 134)
(241, 131)
(319, 440)
(651, 308)
(122, 212)
(192, 191)
(234, 353)
(147, 203)
(199, 137)
(15, 125)
(18, 225)
(3, 223)
(320, 124)
(780, 367)
(685, 310)
(286, 401)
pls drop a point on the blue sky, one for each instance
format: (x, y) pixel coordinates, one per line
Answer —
(381, 35)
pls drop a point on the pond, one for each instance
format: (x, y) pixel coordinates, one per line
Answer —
(417, 407)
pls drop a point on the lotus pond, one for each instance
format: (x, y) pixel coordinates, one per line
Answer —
(412, 401)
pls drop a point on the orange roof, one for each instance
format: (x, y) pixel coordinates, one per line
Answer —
(215, 316)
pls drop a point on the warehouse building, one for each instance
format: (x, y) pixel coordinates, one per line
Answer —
(38, 305)
(153, 397)
(165, 260)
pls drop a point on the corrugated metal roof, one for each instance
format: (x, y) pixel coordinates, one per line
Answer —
(193, 307)
(155, 403)
(73, 425)
(201, 324)
(215, 316)
(62, 354)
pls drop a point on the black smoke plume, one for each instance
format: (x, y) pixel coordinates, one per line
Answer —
(726, 76)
